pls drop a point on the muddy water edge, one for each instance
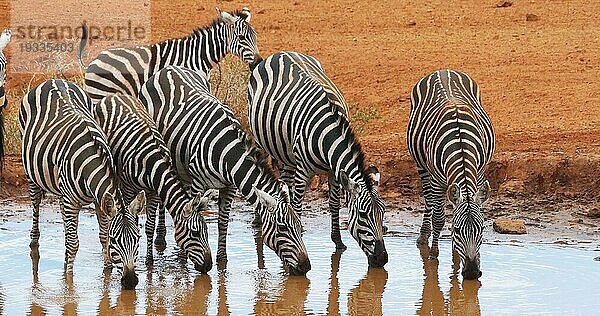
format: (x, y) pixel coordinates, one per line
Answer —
(540, 273)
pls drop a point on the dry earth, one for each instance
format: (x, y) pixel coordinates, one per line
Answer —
(539, 83)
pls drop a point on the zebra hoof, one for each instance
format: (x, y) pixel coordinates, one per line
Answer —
(422, 241)
(34, 244)
(340, 246)
(149, 261)
(160, 244)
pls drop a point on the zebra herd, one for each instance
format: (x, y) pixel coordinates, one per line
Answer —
(147, 134)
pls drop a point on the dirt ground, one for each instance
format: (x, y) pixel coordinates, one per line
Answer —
(536, 62)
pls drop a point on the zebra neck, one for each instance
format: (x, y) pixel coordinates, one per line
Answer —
(345, 154)
(169, 189)
(199, 51)
(250, 174)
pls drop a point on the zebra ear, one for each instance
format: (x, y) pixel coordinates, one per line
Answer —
(374, 175)
(265, 199)
(5, 38)
(107, 205)
(454, 194)
(348, 184)
(246, 15)
(200, 201)
(484, 192)
(226, 16)
(138, 204)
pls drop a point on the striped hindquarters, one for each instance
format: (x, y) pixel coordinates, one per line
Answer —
(449, 133)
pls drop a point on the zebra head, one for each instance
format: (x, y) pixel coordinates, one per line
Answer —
(124, 236)
(4, 39)
(365, 212)
(243, 39)
(191, 233)
(467, 227)
(282, 230)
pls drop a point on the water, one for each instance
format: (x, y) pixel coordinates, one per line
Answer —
(517, 279)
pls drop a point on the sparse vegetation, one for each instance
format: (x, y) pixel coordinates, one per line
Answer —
(229, 82)
(22, 78)
(363, 116)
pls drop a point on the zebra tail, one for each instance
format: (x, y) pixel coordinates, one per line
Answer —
(82, 43)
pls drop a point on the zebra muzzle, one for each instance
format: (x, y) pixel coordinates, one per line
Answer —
(129, 280)
(471, 270)
(380, 255)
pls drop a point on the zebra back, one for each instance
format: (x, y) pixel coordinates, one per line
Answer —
(124, 70)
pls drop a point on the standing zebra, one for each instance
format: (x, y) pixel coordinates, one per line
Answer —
(301, 119)
(143, 162)
(451, 139)
(4, 39)
(126, 69)
(66, 153)
(211, 151)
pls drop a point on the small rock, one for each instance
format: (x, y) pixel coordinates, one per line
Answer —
(597, 258)
(261, 11)
(504, 4)
(593, 213)
(531, 17)
(509, 226)
(411, 23)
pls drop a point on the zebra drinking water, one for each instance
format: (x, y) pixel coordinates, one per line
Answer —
(301, 119)
(126, 69)
(4, 39)
(451, 139)
(66, 153)
(210, 150)
(144, 163)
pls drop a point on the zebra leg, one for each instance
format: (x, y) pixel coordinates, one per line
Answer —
(103, 223)
(35, 193)
(287, 176)
(70, 215)
(439, 219)
(301, 180)
(153, 202)
(161, 230)
(427, 193)
(225, 198)
(334, 207)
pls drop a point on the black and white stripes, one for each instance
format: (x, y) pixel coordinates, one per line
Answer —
(124, 70)
(301, 119)
(4, 39)
(210, 150)
(65, 152)
(144, 163)
(451, 139)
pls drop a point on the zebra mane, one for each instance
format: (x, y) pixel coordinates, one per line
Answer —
(218, 20)
(355, 147)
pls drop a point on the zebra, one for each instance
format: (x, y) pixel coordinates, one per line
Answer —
(126, 69)
(65, 152)
(451, 139)
(300, 118)
(4, 40)
(211, 151)
(143, 162)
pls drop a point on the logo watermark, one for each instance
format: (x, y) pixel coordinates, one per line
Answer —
(46, 38)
